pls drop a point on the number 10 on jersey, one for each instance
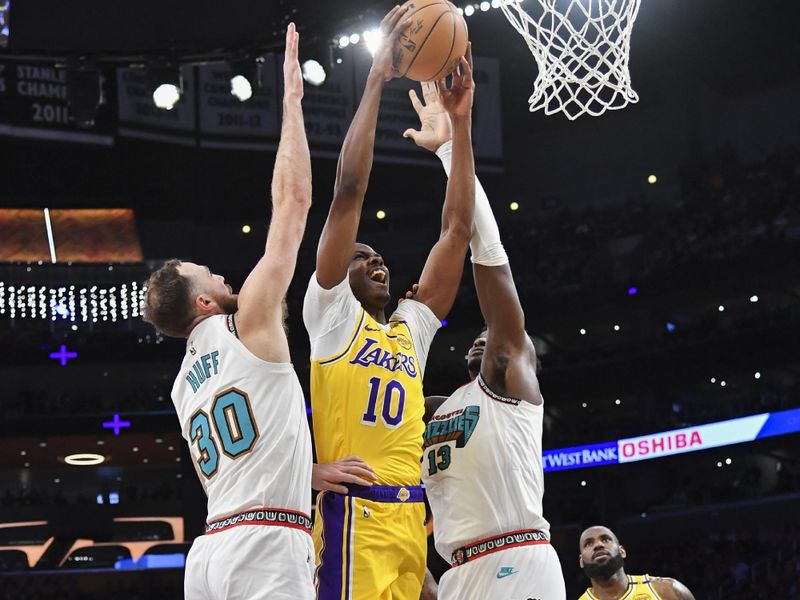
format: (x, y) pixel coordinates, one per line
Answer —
(392, 398)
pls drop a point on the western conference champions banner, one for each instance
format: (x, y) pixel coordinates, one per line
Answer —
(33, 104)
(677, 441)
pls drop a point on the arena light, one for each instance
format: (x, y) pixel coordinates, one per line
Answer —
(372, 39)
(514, 206)
(757, 375)
(652, 179)
(485, 6)
(354, 38)
(241, 88)
(753, 298)
(381, 214)
(313, 72)
(344, 41)
(166, 85)
(246, 77)
(469, 10)
(582, 331)
(246, 229)
(721, 308)
(84, 459)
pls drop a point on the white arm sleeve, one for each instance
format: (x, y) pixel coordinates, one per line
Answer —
(423, 325)
(330, 317)
(485, 244)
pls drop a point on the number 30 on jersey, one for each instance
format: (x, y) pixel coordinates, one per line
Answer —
(233, 427)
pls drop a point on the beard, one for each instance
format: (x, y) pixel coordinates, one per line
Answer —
(229, 304)
(604, 570)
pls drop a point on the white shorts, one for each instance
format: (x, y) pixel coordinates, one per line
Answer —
(251, 562)
(522, 573)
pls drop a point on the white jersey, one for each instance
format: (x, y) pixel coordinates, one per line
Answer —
(482, 467)
(245, 422)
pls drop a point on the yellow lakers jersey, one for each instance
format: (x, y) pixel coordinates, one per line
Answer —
(640, 587)
(367, 401)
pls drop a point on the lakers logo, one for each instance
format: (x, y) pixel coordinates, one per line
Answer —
(403, 495)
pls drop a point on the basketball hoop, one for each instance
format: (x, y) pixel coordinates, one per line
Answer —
(581, 48)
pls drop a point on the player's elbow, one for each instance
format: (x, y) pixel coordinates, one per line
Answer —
(457, 231)
(349, 186)
(297, 197)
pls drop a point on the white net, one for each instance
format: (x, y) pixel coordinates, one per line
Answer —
(582, 48)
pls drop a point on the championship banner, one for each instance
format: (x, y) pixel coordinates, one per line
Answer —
(33, 104)
(329, 108)
(223, 117)
(140, 118)
(678, 441)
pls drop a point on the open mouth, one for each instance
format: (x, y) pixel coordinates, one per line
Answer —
(378, 275)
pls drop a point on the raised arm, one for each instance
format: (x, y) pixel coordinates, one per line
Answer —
(512, 364)
(335, 249)
(260, 316)
(441, 276)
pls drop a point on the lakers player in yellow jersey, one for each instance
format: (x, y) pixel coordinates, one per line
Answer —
(366, 370)
(602, 558)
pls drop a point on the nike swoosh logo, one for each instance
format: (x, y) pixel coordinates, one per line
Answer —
(502, 574)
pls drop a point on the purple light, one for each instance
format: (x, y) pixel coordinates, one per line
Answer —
(63, 355)
(444, 322)
(632, 291)
(670, 326)
(116, 424)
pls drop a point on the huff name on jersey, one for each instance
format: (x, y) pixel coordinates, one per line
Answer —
(202, 368)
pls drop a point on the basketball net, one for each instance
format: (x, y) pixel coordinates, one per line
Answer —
(582, 48)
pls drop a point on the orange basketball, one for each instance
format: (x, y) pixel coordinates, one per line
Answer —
(433, 43)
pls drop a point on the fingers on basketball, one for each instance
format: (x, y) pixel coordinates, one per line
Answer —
(430, 48)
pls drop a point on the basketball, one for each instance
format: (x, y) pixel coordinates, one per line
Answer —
(433, 43)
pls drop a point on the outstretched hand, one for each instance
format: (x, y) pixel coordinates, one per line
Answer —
(391, 28)
(331, 476)
(434, 121)
(292, 75)
(457, 99)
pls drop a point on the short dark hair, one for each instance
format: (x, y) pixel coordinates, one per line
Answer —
(168, 300)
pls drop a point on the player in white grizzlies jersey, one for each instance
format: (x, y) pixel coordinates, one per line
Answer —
(238, 399)
(482, 457)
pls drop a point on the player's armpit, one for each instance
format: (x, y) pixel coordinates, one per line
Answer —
(432, 404)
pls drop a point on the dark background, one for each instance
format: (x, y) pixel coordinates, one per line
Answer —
(717, 123)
